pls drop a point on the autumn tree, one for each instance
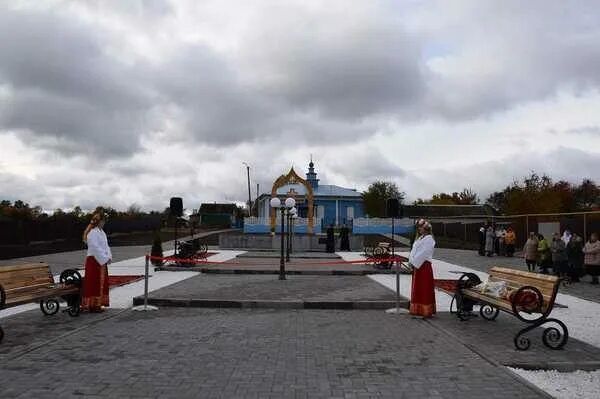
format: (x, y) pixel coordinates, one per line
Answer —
(535, 194)
(465, 197)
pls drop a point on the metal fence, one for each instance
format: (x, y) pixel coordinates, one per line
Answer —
(463, 231)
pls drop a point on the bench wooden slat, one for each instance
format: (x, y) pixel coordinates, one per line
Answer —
(519, 281)
(25, 275)
(541, 280)
(546, 292)
(22, 267)
(40, 294)
(498, 302)
(27, 283)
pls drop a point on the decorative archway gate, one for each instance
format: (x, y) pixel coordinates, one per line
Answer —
(293, 178)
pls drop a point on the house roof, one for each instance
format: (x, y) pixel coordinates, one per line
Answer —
(217, 208)
(429, 210)
(323, 190)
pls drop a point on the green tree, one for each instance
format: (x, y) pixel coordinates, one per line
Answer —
(157, 249)
(587, 195)
(376, 195)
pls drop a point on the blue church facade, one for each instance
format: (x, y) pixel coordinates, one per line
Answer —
(331, 204)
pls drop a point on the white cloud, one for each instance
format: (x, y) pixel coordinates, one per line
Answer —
(136, 102)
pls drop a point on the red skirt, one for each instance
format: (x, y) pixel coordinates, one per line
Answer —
(95, 286)
(422, 299)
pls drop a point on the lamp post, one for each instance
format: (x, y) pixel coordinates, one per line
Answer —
(276, 204)
(291, 212)
(249, 197)
(294, 217)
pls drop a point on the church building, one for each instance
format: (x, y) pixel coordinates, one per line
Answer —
(323, 204)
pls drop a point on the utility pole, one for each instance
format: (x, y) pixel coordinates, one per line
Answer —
(249, 197)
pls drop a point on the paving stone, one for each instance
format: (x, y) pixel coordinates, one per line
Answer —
(268, 287)
(256, 353)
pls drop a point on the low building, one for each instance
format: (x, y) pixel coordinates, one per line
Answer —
(324, 204)
(216, 215)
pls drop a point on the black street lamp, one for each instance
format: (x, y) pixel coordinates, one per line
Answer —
(276, 204)
(290, 214)
(294, 217)
(249, 197)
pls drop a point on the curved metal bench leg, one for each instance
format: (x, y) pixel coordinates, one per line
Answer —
(461, 313)
(489, 312)
(552, 337)
(523, 343)
(73, 304)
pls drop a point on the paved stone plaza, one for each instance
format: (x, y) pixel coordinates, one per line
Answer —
(207, 353)
(274, 353)
(250, 286)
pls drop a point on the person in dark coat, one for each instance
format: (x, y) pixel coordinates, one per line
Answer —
(489, 241)
(559, 256)
(330, 244)
(482, 241)
(344, 238)
(575, 257)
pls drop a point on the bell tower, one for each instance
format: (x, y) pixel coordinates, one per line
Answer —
(311, 176)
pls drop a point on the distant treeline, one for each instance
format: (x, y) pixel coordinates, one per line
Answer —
(21, 224)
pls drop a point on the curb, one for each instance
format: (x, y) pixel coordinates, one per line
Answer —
(562, 367)
(262, 256)
(269, 304)
(273, 271)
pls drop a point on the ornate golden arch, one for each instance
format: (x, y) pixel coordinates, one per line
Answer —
(293, 178)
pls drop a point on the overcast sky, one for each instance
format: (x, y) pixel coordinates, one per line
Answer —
(133, 102)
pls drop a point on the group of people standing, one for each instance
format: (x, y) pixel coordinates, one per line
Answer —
(566, 255)
(498, 240)
(344, 237)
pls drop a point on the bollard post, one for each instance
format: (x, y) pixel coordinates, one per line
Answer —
(397, 309)
(145, 307)
(397, 289)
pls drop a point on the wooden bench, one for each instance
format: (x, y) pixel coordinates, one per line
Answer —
(33, 282)
(530, 298)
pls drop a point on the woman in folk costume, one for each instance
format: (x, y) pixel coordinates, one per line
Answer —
(95, 282)
(422, 299)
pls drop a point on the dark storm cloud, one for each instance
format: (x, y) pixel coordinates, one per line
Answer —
(296, 74)
(339, 69)
(205, 95)
(509, 53)
(366, 166)
(65, 89)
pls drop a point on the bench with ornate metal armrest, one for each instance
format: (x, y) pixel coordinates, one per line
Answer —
(528, 296)
(21, 284)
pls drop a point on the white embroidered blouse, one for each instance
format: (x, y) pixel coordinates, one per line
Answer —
(97, 244)
(422, 251)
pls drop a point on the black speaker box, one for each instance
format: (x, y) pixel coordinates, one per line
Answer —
(176, 206)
